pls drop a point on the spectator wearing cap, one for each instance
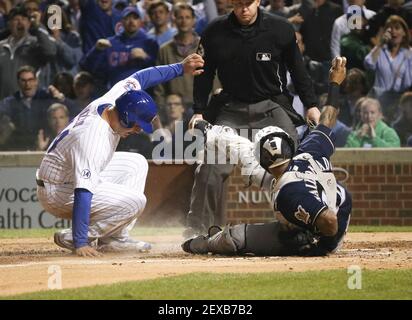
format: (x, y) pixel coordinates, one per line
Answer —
(22, 48)
(159, 14)
(118, 57)
(341, 28)
(98, 21)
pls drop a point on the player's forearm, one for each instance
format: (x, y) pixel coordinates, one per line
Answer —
(81, 216)
(153, 76)
(328, 116)
(330, 111)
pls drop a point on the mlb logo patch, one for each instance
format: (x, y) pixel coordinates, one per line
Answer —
(262, 56)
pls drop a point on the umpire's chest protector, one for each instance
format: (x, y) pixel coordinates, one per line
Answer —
(251, 56)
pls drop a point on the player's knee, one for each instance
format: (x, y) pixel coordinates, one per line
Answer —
(136, 202)
(140, 162)
(140, 203)
(327, 223)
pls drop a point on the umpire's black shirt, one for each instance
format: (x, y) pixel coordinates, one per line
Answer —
(251, 61)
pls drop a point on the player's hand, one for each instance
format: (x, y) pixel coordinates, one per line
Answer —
(103, 44)
(138, 53)
(337, 72)
(193, 64)
(87, 251)
(312, 116)
(296, 19)
(195, 117)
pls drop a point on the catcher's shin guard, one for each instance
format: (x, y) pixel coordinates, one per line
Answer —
(197, 245)
(229, 241)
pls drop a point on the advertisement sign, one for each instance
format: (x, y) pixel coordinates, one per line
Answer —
(19, 206)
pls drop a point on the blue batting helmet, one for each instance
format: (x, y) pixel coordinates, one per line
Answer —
(136, 107)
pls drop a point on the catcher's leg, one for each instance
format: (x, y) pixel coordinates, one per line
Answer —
(265, 239)
(227, 242)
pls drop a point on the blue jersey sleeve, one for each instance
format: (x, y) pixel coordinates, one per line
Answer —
(81, 216)
(320, 142)
(152, 76)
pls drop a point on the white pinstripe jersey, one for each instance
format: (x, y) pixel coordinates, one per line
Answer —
(85, 147)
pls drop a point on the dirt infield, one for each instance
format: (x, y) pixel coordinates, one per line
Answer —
(24, 263)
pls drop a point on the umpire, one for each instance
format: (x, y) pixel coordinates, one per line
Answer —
(251, 50)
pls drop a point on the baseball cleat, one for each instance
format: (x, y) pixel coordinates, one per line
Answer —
(114, 245)
(64, 239)
(197, 245)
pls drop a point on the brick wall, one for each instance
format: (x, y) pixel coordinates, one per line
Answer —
(380, 181)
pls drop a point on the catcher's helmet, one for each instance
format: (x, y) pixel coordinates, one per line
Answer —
(136, 107)
(273, 147)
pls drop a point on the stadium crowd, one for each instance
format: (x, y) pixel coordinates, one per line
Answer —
(51, 68)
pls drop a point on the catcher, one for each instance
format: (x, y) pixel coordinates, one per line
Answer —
(315, 209)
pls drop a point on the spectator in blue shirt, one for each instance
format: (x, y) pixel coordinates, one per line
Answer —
(120, 56)
(391, 61)
(159, 14)
(98, 20)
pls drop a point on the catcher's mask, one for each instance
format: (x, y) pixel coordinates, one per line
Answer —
(136, 107)
(273, 147)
